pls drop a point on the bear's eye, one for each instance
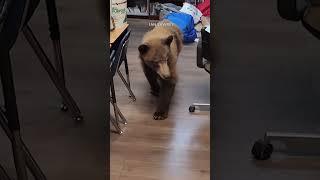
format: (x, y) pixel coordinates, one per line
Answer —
(155, 64)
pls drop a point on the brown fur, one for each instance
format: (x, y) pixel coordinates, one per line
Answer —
(159, 53)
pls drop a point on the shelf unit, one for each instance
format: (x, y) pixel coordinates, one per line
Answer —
(148, 6)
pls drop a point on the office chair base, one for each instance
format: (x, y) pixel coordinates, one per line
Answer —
(199, 106)
(262, 150)
(296, 144)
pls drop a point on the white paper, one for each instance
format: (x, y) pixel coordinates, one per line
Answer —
(191, 10)
(208, 29)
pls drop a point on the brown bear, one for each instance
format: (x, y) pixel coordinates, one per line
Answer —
(159, 52)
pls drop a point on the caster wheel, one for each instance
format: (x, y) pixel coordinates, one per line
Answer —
(79, 118)
(133, 98)
(192, 109)
(262, 150)
(64, 108)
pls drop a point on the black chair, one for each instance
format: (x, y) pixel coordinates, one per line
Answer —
(122, 58)
(203, 61)
(56, 72)
(14, 16)
(118, 56)
(308, 12)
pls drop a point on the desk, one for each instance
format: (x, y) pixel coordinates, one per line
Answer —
(116, 33)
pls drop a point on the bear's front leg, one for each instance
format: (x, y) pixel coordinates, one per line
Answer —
(152, 79)
(166, 93)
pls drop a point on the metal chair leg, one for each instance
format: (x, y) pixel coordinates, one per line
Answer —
(31, 163)
(12, 113)
(52, 73)
(55, 38)
(59, 60)
(127, 69)
(116, 125)
(123, 119)
(18, 155)
(3, 174)
(116, 110)
(59, 67)
(115, 106)
(115, 120)
(126, 83)
(116, 115)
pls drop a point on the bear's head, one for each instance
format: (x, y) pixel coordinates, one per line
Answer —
(155, 53)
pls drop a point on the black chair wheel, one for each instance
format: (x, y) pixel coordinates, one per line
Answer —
(78, 118)
(64, 108)
(192, 108)
(133, 98)
(262, 150)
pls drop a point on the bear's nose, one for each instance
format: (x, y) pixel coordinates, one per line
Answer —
(166, 77)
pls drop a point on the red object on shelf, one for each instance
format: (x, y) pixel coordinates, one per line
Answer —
(204, 7)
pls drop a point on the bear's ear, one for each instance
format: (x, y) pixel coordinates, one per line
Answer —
(168, 40)
(143, 48)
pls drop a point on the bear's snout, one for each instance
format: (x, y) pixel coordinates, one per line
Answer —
(164, 70)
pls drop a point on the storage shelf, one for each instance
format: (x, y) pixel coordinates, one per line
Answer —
(147, 15)
(177, 2)
(150, 17)
(137, 14)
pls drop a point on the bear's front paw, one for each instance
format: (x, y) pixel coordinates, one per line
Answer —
(160, 115)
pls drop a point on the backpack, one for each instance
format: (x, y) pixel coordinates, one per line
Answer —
(185, 23)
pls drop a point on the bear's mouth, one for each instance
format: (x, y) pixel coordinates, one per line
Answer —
(163, 70)
(164, 77)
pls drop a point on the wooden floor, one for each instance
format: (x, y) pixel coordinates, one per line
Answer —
(177, 148)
